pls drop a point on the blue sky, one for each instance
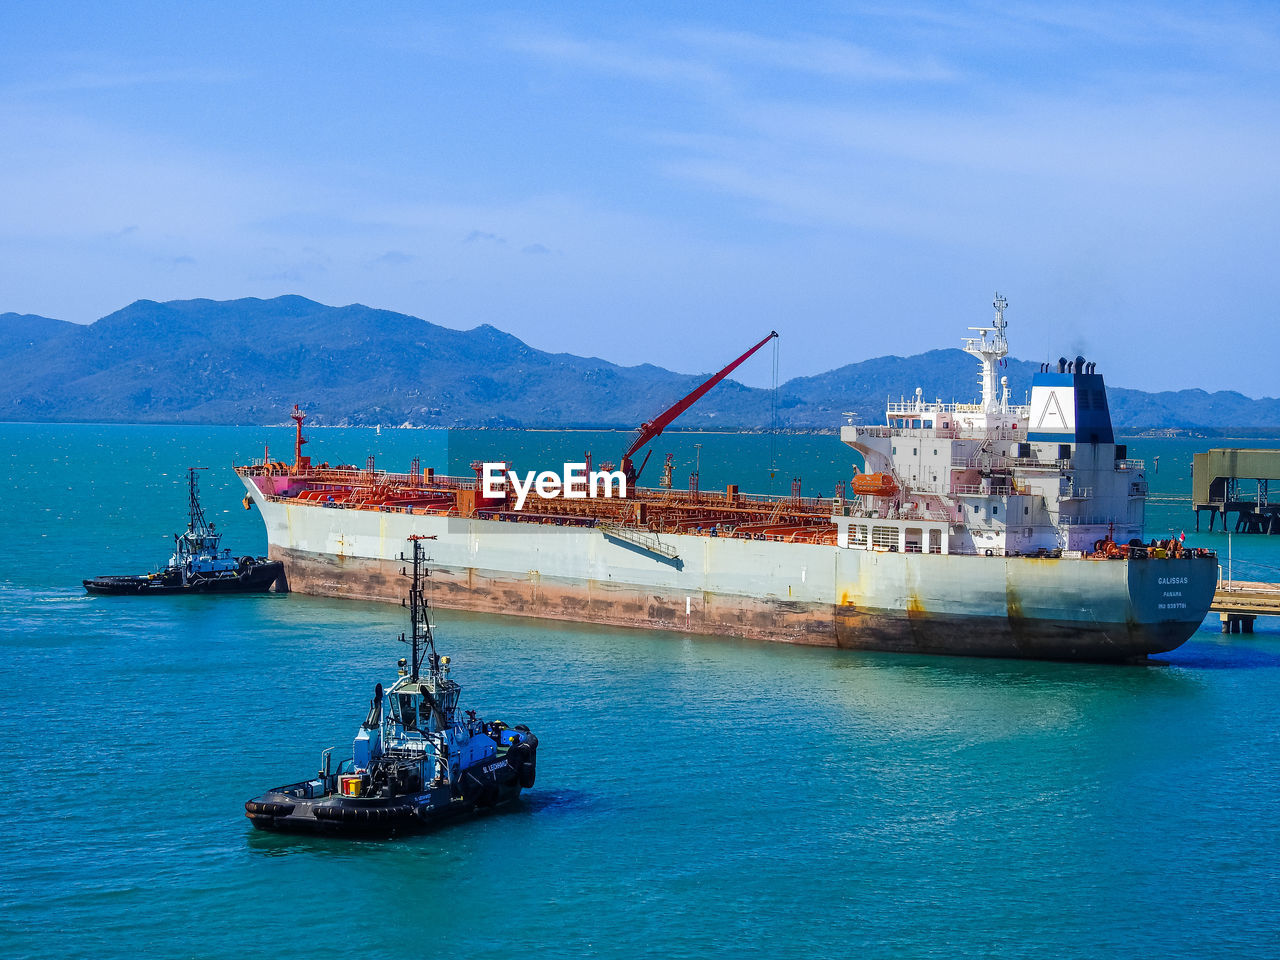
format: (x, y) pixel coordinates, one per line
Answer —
(668, 182)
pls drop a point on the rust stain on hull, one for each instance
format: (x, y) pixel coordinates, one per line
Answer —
(592, 600)
(914, 629)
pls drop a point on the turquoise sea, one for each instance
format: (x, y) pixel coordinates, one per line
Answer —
(695, 797)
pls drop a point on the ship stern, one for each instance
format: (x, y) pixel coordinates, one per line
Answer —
(1169, 599)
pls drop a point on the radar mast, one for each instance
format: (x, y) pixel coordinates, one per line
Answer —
(990, 351)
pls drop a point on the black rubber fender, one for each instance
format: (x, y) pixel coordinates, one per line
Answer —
(364, 815)
(518, 755)
(268, 808)
(527, 771)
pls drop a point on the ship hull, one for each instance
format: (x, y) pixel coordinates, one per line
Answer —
(289, 810)
(1039, 608)
(259, 577)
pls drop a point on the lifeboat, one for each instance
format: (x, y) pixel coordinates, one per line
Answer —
(874, 485)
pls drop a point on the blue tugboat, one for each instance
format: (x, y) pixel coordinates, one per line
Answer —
(197, 566)
(417, 759)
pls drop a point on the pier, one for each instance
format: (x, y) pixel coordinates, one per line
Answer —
(1240, 602)
(1217, 483)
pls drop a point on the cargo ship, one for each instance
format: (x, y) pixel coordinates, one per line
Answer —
(985, 529)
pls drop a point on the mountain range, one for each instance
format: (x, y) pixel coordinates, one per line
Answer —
(248, 361)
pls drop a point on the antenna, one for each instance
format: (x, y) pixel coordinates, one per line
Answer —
(1000, 303)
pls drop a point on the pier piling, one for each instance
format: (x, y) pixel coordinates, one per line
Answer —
(1238, 603)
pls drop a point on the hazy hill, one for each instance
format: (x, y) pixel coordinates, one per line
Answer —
(248, 361)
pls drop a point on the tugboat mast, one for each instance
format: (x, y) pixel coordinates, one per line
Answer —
(196, 524)
(201, 536)
(422, 641)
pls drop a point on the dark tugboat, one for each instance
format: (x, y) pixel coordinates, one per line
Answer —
(196, 565)
(417, 759)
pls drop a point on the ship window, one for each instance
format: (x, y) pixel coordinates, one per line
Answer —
(1026, 511)
(895, 451)
(407, 711)
(975, 508)
(994, 511)
(913, 451)
(928, 424)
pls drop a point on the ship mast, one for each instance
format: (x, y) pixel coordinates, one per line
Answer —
(989, 353)
(300, 463)
(422, 642)
(440, 693)
(201, 535)
(196, 524)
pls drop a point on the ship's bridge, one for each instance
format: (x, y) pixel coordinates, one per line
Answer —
(951, 420)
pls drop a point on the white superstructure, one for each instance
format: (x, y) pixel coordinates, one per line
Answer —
(996, 477)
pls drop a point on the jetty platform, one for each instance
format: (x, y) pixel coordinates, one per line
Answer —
(1240, 602)
(1220, 480)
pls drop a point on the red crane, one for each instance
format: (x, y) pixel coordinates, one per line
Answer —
(650, 429)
